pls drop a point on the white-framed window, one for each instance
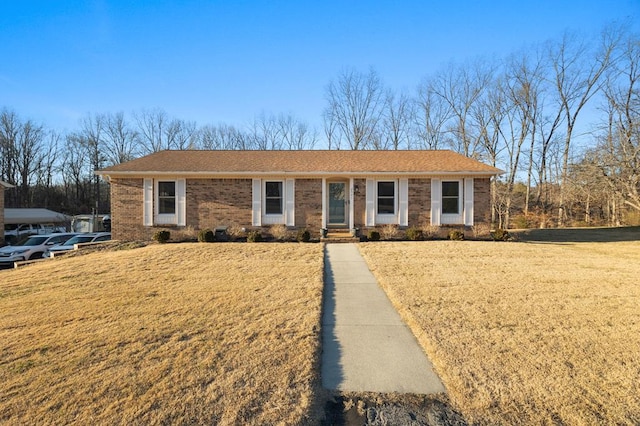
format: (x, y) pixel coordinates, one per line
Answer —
(273, 197)
(386, 197)
(164, 202)
(273, 202)
(451, 199)
(166, 197)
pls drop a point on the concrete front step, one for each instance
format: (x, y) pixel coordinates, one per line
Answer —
(340, 237)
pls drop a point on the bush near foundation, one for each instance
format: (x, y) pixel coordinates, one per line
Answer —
(414, 234)
(304, 236)
(456, 235)
(162, 236)
(254, 236)
(206, 236)
(373, 235)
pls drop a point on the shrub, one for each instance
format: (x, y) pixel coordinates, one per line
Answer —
(280, 232)
(414, 234)
(162, 236)
(304, 236)
(206, 236)
(500, 235)
(389, 231)
(481, 230)
(456, 235)
(235, 232)
(187, 233)
(373, 235)
(430, 231)
(521, 222)
(254, 236)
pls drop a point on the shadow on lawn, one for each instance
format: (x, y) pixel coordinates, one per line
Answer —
(579, 235)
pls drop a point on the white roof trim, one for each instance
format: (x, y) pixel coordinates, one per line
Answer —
(203, 174)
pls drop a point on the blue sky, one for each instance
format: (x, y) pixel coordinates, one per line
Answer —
(228, 61)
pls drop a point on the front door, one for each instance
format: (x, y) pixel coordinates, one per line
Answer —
(337, 203)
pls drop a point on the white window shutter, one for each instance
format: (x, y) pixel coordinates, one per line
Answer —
(289, 213)
(256, 210)
(403, 203)
(370, 213)
(181, 201)
(147, 204)
(436, 201)
(468, 201)
(324, 203)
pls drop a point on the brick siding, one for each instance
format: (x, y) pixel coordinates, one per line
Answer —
(127, 198)
(308, 207)
(218, 202)
(228, 202)
(482, 200)
(419, 202)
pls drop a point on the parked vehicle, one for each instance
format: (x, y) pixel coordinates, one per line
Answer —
(91, 223)
(14, 232)
(32, 248)
(78, 239)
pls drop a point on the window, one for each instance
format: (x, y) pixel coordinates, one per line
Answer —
(166, 197)
(273, 198)
(386, 197)
(451, 197)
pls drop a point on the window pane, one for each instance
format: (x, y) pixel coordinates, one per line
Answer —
(450, 205)
(274, 189)
(167, 189)
(450, 189)
(386, 197)
(386, 206)
(167, 205)
(386, 189)
(273, 206)
(273, 198)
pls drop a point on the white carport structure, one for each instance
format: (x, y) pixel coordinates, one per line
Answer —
(34, 216)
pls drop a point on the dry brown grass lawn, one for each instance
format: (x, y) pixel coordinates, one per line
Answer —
(524, 333)
(165, 334)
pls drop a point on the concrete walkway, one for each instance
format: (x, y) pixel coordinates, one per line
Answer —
(366, 346)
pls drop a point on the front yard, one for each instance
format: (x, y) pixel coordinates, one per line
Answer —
(524, 333)
(165, 334)
(520, 333)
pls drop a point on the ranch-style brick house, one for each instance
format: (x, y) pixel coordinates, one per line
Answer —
(310, 189)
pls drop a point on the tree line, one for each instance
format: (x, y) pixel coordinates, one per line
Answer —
(561, 118)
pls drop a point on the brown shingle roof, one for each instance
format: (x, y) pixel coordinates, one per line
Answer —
(301, 162)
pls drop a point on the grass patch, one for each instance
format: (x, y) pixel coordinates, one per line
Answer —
(164, 334)
(524, 333)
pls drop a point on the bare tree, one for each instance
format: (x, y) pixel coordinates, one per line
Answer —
(222, 136)
(619, 147)
(29, 154)
(295, 134)
(120, 139)
(396, 121)
(356, 104)
(432, 112)
(578, 69)
(264, 132)
(92, 137)
(157, 131)
(10, 125)
(461, 87)
(77, 173)
(49, 168)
